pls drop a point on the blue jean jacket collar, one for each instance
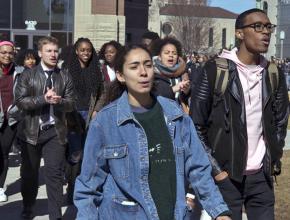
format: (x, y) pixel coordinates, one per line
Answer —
(124, 112)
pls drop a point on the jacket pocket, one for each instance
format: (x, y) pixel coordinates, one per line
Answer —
(124, 210)
(118, 159)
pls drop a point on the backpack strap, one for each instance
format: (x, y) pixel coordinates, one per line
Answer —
(273, 76)
(222, 76)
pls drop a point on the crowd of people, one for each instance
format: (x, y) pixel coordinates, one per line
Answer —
(144, 132)
(284, 65)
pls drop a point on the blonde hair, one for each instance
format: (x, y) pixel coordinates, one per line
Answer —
(46, 40)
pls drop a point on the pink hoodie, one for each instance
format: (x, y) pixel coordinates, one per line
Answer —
(251, 80)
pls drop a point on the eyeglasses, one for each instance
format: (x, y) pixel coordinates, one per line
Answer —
(259, 27)
(7, 53)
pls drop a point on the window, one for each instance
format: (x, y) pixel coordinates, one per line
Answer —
(4, 35)
(23, 10)
(128, 37)
(265, 7)
(197, 37)
(210, 37)
(224, 38)
(258, 4)
(62, 38)
(5, 14)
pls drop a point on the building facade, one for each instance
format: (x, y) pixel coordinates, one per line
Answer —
(283, 16)
(200, 28)
(136, 13)
(270, 7)
(25, 21)
(100, 21)
(278, 12)
(185, 2)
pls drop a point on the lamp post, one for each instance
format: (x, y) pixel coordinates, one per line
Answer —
(282, 37)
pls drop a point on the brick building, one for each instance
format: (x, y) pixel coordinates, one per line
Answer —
(26, 21)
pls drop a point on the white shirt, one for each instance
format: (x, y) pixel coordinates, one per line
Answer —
(111, 73)
(51, 112)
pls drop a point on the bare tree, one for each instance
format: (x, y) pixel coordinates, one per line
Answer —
(191, 32)
(195, 33)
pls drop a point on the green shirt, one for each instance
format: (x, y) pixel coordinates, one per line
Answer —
(162, 170)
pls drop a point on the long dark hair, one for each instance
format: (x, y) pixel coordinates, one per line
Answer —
(93, 69)
(116, 88)
(23, 54)
(113, 43)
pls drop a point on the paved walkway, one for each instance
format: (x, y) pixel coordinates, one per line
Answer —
(282, 190)
(11, 210)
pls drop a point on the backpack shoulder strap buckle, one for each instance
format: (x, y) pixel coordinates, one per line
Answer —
(222, 76)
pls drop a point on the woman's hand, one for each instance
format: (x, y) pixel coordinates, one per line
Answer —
(94, 114)
(185, 86)
(221, 176)
(190, 201)
(223, 218)
(182, 86)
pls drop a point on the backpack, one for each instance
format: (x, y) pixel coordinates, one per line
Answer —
(222, 76)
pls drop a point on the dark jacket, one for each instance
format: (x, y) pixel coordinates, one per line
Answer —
(29, 96)
(162, 86)
(1, 161)
(222, 125)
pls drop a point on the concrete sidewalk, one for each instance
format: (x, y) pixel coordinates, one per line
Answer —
(11, 210)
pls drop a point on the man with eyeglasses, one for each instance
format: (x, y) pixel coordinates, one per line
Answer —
(243, 128)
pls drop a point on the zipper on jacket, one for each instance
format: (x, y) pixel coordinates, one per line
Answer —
(216, 139)
(245, 156)
(245, 159)
(269, 159)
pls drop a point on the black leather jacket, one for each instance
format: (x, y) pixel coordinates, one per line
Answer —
(222, 125)
(29, 96)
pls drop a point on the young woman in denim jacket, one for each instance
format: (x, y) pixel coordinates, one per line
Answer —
(125, 173)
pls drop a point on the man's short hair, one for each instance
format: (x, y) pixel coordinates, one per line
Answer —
(46, 40)
(241, 18)
(150, 35)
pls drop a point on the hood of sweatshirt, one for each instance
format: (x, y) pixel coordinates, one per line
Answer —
(250, 75)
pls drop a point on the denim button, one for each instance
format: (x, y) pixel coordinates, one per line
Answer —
(116, 154)
(142, 158)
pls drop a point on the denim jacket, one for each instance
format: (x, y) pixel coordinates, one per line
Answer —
(113, 183)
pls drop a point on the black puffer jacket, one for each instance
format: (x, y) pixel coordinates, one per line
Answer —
(222, 125)
(162, 86)
(29, 96)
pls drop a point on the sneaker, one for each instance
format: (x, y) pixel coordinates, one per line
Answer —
(3, 197)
